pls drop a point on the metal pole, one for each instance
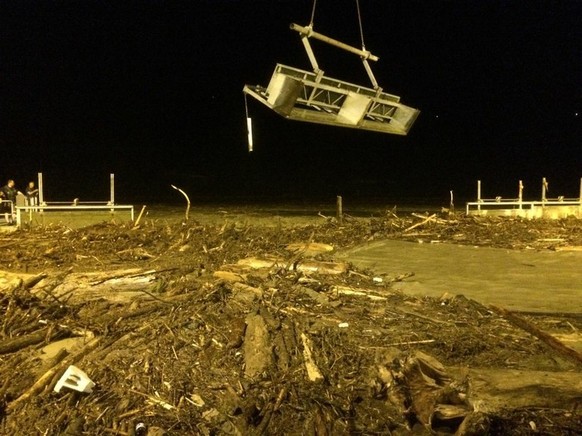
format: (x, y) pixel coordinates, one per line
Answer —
(479, 194)
(308, 32)
(310, 54)
(371, 76)
(40, 190)
(250, 133)
(112, 189)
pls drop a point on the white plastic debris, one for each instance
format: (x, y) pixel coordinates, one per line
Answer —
(197, 400)
(343, 325)
(76, 379)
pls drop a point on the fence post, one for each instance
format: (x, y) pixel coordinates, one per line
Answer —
(40, 191)
(112, 189)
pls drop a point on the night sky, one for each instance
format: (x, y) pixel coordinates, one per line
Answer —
(152, 91)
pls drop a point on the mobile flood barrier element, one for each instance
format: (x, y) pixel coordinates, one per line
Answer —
(549, 208)
(74, 206)
(312, 97)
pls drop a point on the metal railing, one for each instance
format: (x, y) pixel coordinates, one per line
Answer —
(518, 204)
(85, 206)
(2, 202)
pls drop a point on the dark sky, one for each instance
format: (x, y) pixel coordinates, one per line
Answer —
(152, 91)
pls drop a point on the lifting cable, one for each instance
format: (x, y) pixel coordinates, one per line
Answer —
(313, 13)
(361, 27)
(359, 21)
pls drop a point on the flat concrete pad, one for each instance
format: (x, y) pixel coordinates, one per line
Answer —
(528, 280)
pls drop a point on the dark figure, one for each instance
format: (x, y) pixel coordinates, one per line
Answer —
(31, 194)
(9, 193)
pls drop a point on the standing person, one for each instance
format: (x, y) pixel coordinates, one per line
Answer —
(9, 193)
(31, 194)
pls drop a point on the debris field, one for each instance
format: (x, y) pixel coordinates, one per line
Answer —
(229, 327)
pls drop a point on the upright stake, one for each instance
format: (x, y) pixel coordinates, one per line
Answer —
(340, 210)
(520, 198)
(544, 190)
(250, 133)
(139, 216)
(40, 191)
(112, 189)
(479, 194)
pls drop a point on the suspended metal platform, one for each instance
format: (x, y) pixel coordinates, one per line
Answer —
(304, 96)
(312, 97)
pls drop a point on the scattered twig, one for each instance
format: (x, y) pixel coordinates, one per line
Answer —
(430, 218)
(313, 372)
(139, 217)
(396, 344)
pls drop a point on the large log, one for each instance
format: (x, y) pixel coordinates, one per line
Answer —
(15, 344)
(442, 397)
(117, 286)
(9, 282)
(313, 266)
(492, 390)
(550, 340)
(309, 249)
(44, 334)
(257, 346)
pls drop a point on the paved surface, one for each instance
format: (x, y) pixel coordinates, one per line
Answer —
(528, 280)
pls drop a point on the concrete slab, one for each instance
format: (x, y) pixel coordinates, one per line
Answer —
(529, 280)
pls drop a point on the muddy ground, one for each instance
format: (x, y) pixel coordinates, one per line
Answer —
(227, 324)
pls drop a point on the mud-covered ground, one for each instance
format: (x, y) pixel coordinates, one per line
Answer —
(233, 324)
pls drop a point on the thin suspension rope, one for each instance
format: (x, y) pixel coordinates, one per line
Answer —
(313, 13)
(360, 22)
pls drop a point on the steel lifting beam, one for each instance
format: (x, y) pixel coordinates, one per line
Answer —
(307, 32)
(310, 33)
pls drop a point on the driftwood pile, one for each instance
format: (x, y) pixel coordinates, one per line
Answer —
(234, 329)
(501, 232)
